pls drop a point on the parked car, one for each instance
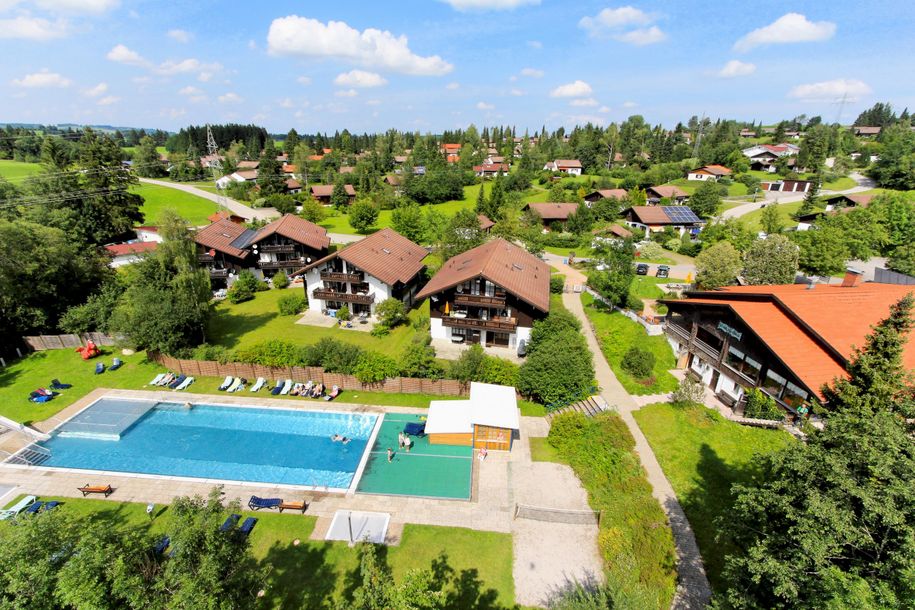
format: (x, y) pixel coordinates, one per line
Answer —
(663, 271)
(522, 348)
(641, 269)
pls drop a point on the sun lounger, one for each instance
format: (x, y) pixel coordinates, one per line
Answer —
(297, 389)
(318, 391)
(286, 387)
(34, 508)
(178, 381)
(115, 364)
(415, 428)
(230, 522)
(57, 385)
(258, 384)
(242, 385)
(51, 505)
(256, 503)
(39, 397)
(157, 379)
(247, 526)
(277, 388)
(169, 377)
(162, 545)
(308, 387)
(17, 508)
(96, 489)
(235, 385)
(99, 368)
(300, 506)
(335, 391)
(183, 385)
(226, 383)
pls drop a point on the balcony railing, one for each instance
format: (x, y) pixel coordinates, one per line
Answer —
(479, 299)
(508, 324)
(678, 332)
(219, 273)
(335, 276)
(706, 350)
(333, 295)
(293, 264)
(278, 248)
(742, 377)
(205, 258)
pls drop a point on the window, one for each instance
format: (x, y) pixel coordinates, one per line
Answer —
(742, 363)
(774, 383)
(794, 396)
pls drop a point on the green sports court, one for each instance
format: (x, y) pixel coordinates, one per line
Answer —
(433, 471)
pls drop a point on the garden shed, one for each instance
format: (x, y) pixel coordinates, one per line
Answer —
(488, 419)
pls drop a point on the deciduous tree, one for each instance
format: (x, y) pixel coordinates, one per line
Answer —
(718, 266)
(773, 260)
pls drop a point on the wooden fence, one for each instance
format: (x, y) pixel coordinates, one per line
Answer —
(44, 342)
(303, 374)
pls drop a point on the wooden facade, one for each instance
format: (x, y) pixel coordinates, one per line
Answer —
(463, 440)
(277, 252)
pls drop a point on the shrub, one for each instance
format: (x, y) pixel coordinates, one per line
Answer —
(469, 365)
(391, 312)
(419, 360)
(372, 367)
(239, 293)
(274, 352)
(334, 356)
(634, 303)
(762, 406)
(219, 353)
(248, 281)
(558, 321)
(650, 250)
(558, 369)
(291, 304)
(499, 371)
(380, 330)
(280, 280)
(690, 248)
(344, 314)
(689, 391)
(673, 244)
(557, 283)
(638, 362)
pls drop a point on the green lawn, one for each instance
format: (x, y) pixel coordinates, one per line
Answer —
(736, 189)
(785, 210)
(543, 451)
(17, 171)
(840, 184)
(313, 573)
(616, 334)
(646, 286)
(192, 208)
(702, 455)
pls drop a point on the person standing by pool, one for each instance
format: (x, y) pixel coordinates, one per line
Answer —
(407, 441)
(390, 455)
(400, 439)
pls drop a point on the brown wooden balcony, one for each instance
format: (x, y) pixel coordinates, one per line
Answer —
(479, 299)
(287, 248)
(677, 331)
(503, 324)
(347, 297)
(219, 273)
(205, 258)
(293, 264)
(337, 276)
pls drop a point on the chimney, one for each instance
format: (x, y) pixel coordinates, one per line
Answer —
(852, 277)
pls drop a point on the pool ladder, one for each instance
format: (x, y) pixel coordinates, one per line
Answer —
(32, 455)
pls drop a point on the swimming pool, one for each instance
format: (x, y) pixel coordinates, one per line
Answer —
(263, 445)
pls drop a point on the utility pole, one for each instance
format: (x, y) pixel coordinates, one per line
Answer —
(213, 152)
(842, 103)
(699, 135)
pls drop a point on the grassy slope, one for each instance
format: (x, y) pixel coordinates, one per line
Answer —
(157, 198)
(735, 189)
(785, 210)
(308, 575)
(617, 334)
(702, 455)
(16, 171)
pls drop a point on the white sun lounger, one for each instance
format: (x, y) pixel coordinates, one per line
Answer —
(258, 384)
(226, 383)
(157, 379)
(235, 385)
(286, 387)
(183, 385)
(20, 506)
(169, 377)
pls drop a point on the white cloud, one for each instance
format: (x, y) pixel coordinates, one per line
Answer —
(518, 92)
(78, 6)
(122, 55)
(625, 24)
(32, 28)
(96, 91)
(346, 93)
(830, 90)
(485, 106)
(360, 78)
(735, 68)
(205, 77)
(453, 86)
(604, 109)
(286, 102)
(229, 98)
(185, 66)
(586, 118)
(532, 72)
(373, 102)
(303, 37)
(194, 94)
(109, 100)
(173, 113)
(488, 5)
(629, 104)
(577, 88)
(583, 102)
(303, 80)
(252, 45)
(42, 79)
(791, 27)
(182, 36)
(535, 44)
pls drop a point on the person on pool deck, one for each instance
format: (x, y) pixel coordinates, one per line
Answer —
(400, 437)
(407, 442)
(390, 455)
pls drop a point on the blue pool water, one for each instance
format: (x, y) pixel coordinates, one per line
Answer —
(231, 443)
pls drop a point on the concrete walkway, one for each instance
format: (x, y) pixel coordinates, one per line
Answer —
(693, 590)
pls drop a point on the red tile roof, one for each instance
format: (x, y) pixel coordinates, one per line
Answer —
(505, 264)
(611, 193)
(326, 190)
(136, 247)
(297, 229)
(225, 215)
(554, 211)
(288, 168)
(220, 235)
(715, 170)
(492, 167)
(667, 191)
(387, 255)
(567, 163)
(485, 222)
(248, 164)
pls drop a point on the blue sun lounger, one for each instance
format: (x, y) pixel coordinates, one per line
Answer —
(162, 545)
(178, 381)
(415, 428)
(256, 503)
(34, 508)
(57, 385)
(231, 521)
(99, 368)
(51, 505)
(115, 364)
(247, 526)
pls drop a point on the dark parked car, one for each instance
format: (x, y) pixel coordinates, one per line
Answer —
(522, 348)
(641, 269)
(663, 271)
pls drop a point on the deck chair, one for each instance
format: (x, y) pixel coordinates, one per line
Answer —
(300, 506)
(235, 385)
(99, 368)
(183, 385)
(277, 388)
(169, 377)
(96, 489)
(230, 522)
(178, 381)
(40, 397)
(415, 428)
(17, 508)
(115, 364)
(157, 379)
(256, 503)
(57, 385)
(247, 526)
(258, 384)
(335, 391)
(34, 508)
(51, 505)
(226, 383)
(286, 387)
(162, 545)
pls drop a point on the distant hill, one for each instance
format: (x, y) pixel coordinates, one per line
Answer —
(64, 126)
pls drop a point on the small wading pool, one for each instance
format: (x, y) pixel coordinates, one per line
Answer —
(280, 446)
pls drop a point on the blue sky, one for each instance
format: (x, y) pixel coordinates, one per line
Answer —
(430, 65)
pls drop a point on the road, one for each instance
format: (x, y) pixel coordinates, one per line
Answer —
(864, 184)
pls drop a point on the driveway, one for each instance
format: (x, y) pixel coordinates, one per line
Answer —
(863, 184)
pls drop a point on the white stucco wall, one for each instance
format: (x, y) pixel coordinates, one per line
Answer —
(438, 330)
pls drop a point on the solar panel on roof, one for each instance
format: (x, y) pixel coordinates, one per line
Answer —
(681, 214)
